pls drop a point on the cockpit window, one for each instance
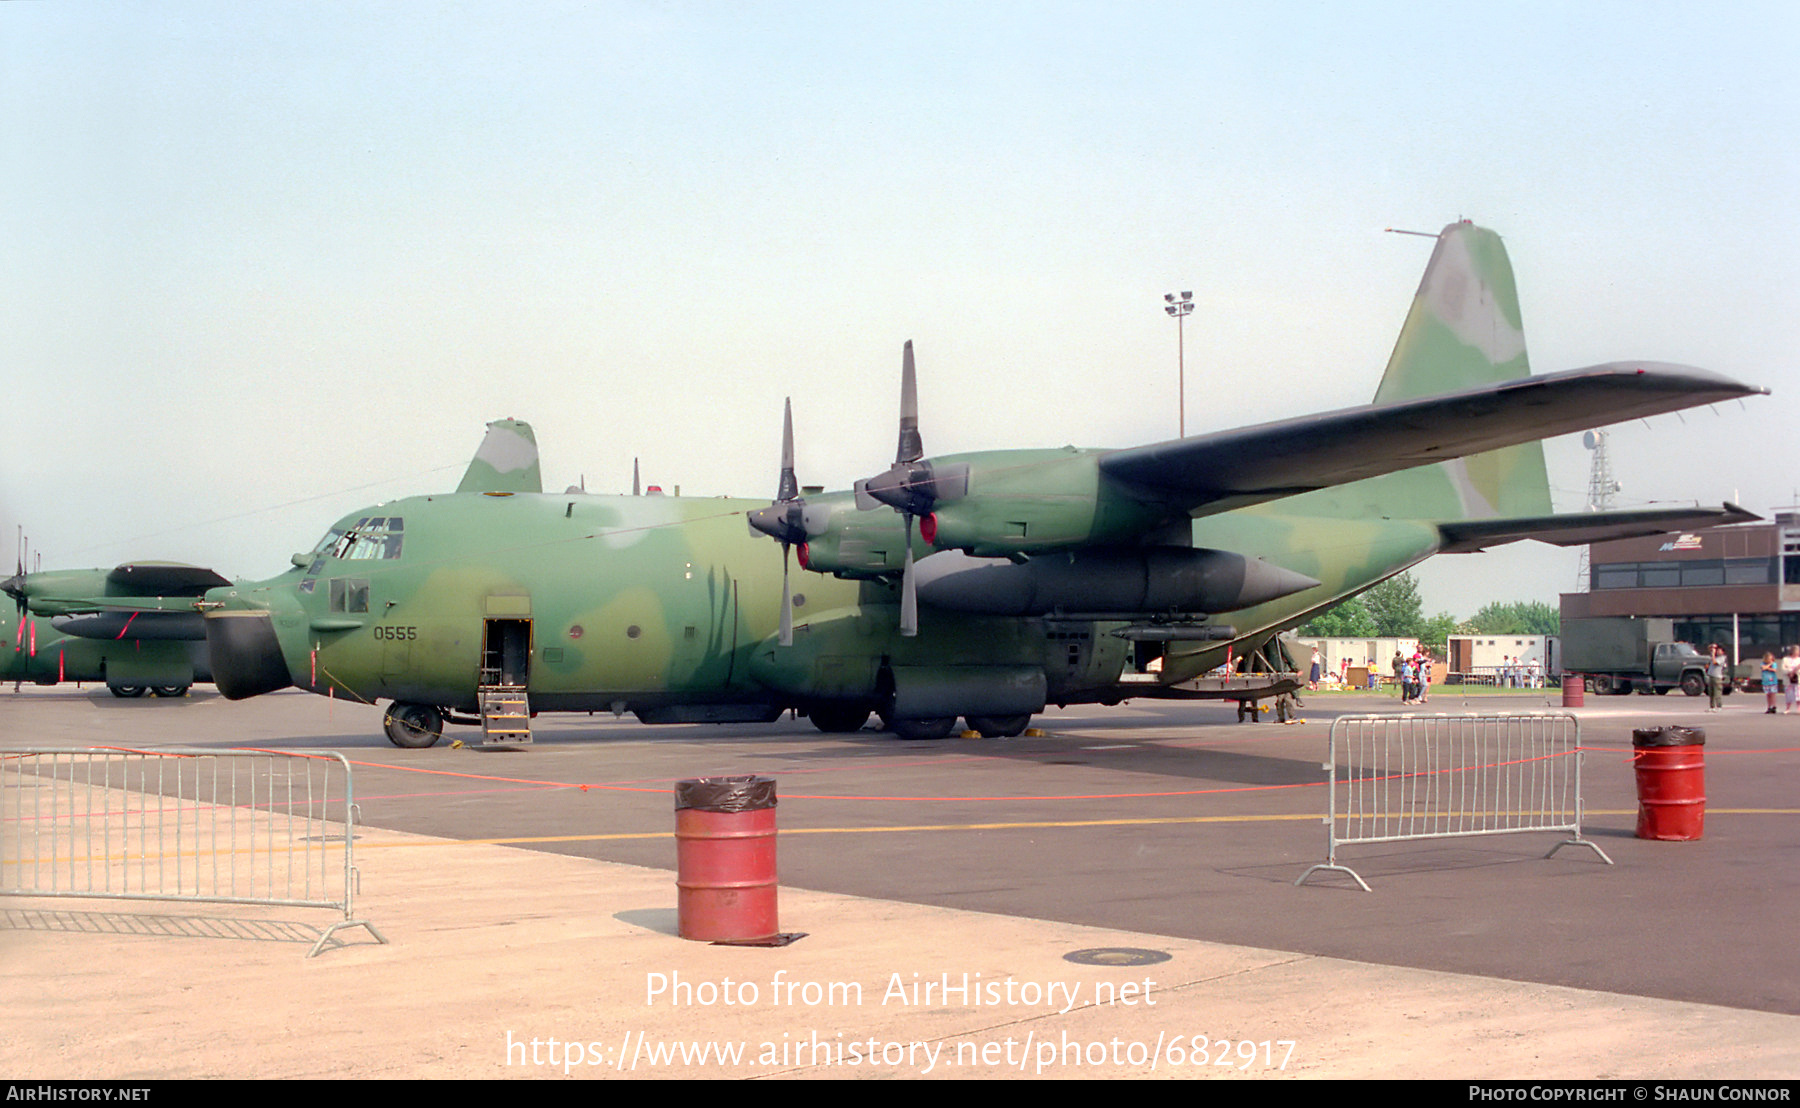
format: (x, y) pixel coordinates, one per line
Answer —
(370, 537)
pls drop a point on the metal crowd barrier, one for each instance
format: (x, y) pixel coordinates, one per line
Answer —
(213, 826)
(1401, 778)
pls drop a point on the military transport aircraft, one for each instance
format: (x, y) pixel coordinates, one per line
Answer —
(135, 627)
(983, 585)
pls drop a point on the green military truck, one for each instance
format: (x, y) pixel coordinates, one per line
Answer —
(1620, 653)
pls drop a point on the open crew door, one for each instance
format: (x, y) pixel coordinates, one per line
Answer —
(506, 652)
(506, 671)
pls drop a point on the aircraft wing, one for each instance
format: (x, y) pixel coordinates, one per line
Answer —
(1230, 469)
(1581, 528)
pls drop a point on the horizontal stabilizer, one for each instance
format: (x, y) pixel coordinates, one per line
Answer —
(1581, 528)
(1230, 469)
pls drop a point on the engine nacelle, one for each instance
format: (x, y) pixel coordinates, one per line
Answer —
(1105, 583)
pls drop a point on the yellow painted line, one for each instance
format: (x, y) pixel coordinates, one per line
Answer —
(1023, 825)
(1313, 817)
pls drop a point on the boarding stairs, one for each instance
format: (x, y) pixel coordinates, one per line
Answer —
(505, 715)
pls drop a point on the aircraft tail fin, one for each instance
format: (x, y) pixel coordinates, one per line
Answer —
(506, 462)
(1465, 330)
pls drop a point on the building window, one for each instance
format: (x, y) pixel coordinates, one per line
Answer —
(1624, 576)
(1748, 571)
(1706, 573)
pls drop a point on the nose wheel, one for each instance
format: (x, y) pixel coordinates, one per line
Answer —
(413, 726)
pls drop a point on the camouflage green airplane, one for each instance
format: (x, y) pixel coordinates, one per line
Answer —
(133, 627)
(985, 585)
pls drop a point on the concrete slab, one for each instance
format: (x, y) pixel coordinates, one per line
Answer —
(1151, 829)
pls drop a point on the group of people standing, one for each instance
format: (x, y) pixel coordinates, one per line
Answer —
(1777, 676)
(1414, 675)
(1517, 673)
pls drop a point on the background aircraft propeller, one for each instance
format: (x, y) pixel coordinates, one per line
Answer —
(14, 586)
(784, 519)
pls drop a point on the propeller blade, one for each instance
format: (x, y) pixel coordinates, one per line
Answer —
(909, 593)
(789, 487)
(634, 478)
(912, 448)
(787, 601)
(16, 586)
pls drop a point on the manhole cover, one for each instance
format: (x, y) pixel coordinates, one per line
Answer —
(1117, 956)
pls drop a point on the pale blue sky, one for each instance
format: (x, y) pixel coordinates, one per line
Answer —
(268, 263)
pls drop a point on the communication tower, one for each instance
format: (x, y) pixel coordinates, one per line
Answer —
(1601, 488)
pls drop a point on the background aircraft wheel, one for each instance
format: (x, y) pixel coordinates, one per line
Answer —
(924, 728)
(838, 719)
(169, 690)
(128, 692)
(999, 727)
(413, 726)
(1693, 684)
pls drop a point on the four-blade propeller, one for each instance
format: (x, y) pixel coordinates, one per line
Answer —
(908, 487)
(784, 519)
(14, 586)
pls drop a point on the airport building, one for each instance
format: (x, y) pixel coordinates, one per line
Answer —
(1736, 585)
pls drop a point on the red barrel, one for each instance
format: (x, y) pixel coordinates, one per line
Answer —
(1574, 687)
(1671, 782)
(725, 859)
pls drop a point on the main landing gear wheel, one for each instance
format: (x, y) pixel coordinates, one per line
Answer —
(169, 690)
(924, 728)
(838, 719)
(126, 692)
(999, 727)
(413, 726)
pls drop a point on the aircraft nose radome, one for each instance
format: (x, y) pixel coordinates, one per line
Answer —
(246, 656)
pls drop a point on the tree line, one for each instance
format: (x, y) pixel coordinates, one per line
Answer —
(1394, 609)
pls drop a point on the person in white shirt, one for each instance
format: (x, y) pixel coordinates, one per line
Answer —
(1790, 676)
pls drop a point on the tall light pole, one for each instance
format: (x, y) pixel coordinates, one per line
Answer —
(1180, 306)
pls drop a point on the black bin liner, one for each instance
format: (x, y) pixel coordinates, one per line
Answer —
(749, 793)
(1668, 736)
